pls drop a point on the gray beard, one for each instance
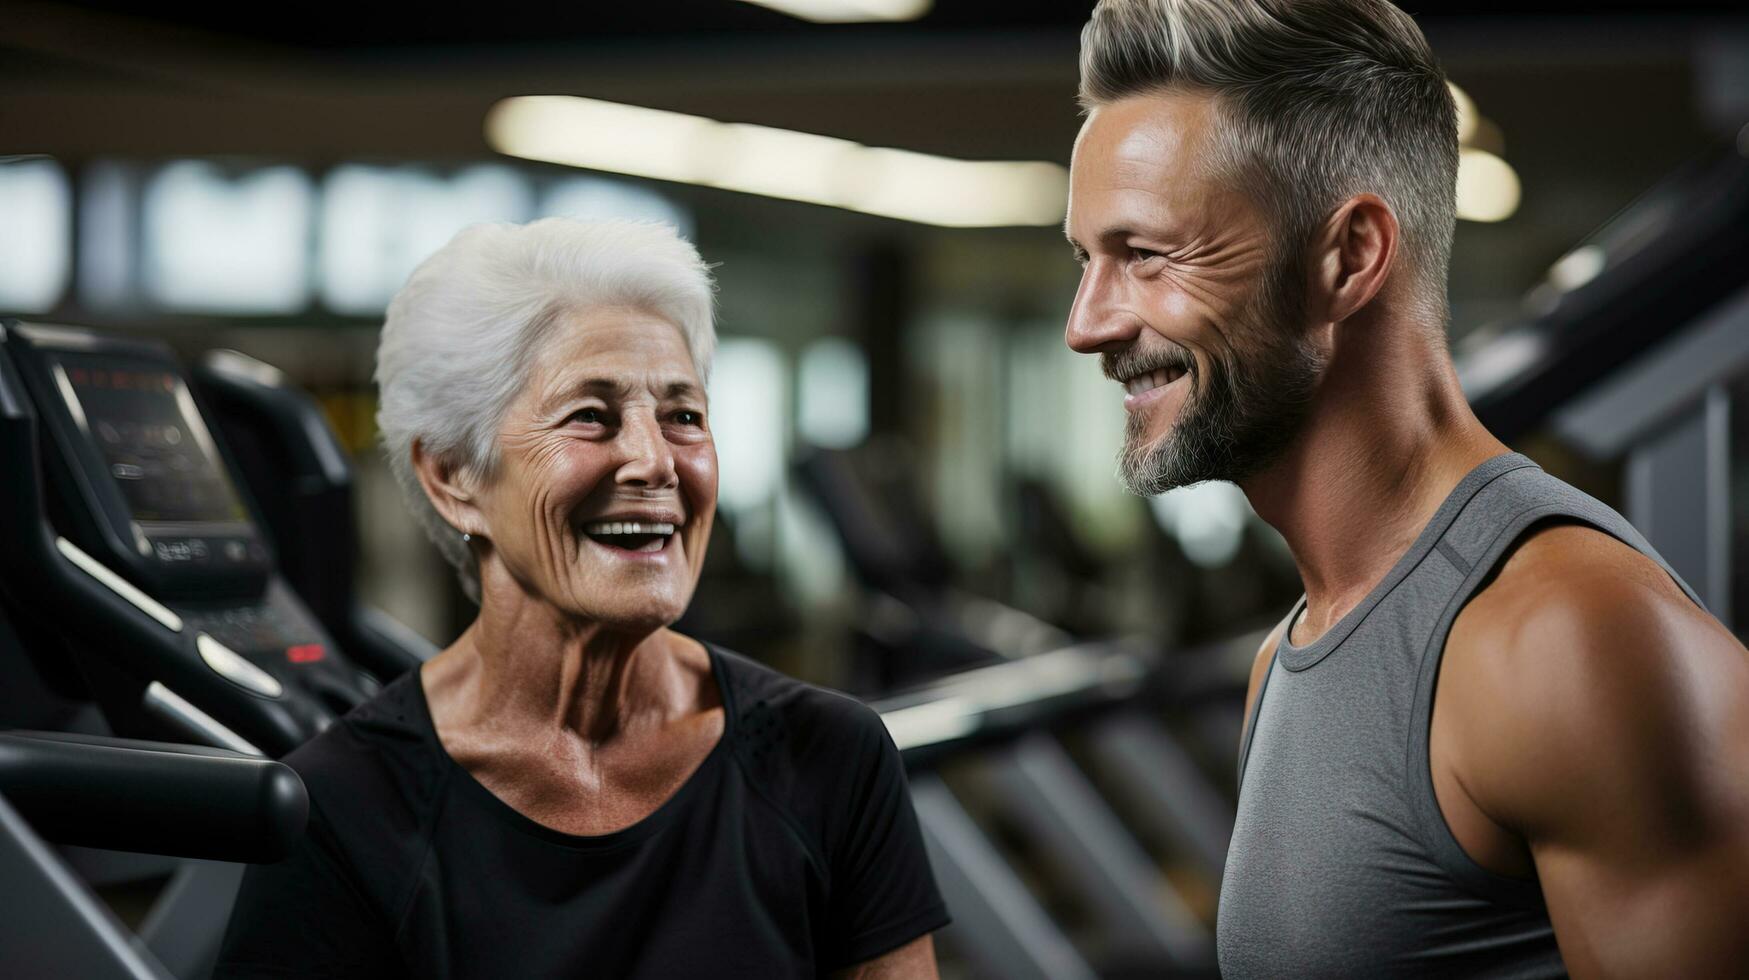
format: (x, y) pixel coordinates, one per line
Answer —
(1238, 418)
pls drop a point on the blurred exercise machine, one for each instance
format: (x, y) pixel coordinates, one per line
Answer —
(1639, 349)
(1013, 684)
(134, 549)
(207, 805)
(140, 599)
(300, 478)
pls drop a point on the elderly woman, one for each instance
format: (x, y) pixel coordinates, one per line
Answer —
(573, 789)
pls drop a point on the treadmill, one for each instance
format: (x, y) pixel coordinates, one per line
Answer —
(127, 611)
(135, 554)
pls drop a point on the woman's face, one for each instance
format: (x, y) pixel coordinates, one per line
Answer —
(607, 481)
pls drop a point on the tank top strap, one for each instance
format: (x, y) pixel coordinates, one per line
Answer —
(1494, 519)
(1280, 632)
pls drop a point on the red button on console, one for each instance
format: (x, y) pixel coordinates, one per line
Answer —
(305, 653)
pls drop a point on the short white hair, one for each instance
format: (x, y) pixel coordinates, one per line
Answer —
(460, 337)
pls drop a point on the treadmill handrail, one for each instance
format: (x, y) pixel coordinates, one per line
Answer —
(1004, 699)
(153, 797)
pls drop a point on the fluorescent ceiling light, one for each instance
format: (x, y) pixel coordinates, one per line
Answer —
(1487, 186)
(848, 11)
(778, 163)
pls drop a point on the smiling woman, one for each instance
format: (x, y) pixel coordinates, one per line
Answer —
(572, 786)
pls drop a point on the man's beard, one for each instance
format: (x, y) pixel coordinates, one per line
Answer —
(1241, 412)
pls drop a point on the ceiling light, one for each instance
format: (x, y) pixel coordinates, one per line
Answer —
(777, 163)
(1487, 186)
(848, 11)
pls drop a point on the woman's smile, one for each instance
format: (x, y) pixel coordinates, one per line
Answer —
(636, 537)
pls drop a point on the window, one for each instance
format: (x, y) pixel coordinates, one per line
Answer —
(221, 243)
(379, 223)
(36, 244)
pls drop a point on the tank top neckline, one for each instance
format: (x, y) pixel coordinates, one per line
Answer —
(1298, 658)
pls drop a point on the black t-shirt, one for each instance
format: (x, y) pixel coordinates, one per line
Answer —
(791, 851)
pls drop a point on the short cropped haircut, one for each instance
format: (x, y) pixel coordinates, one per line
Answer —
(460, 338)
(1319, 100)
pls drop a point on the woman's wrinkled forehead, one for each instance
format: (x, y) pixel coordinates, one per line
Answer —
(615, 352)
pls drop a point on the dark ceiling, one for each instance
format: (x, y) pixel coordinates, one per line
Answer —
(329, 24)
(1595, 101)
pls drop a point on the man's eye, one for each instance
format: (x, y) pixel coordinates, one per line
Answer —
(689, 417)
(1143, 254)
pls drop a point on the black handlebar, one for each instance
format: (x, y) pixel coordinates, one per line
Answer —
(153, 797)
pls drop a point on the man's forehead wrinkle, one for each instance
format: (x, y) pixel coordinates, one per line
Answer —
(1137, 172)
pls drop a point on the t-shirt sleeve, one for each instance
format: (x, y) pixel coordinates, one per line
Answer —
(305, 917)
(883, 891)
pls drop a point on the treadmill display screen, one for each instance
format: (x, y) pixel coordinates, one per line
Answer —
(152, 438)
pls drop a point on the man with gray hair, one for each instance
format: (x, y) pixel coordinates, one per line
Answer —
(1498, 736)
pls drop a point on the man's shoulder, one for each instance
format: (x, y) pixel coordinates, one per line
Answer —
(1568, 588)
(1581, 653)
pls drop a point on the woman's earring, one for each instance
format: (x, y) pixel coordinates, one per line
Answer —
(466, 537)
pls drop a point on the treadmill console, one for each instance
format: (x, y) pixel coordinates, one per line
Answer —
(150, 469)
(142, 497)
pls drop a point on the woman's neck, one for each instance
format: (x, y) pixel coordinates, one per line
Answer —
(525, 666)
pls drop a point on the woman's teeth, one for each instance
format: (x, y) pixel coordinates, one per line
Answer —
(643, 536)
(627, 527)
(1158, 378)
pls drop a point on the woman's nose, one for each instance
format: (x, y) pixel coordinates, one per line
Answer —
(646, 458)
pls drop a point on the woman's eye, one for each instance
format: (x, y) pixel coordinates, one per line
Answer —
(689, 417)
(589, 416)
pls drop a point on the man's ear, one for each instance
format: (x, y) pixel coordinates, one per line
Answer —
(451, 488)
(1352, 257)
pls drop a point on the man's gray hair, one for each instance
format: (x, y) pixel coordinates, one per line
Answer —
(461, 337)
(1321, 100)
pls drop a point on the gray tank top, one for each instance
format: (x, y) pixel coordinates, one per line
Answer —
(1341, 863)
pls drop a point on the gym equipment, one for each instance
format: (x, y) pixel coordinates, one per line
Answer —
(132, 538)
(300, 477)
(1016, 683)
(140, 599)
(192, 802)
(1639, 354)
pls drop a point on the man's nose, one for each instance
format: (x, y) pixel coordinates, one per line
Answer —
(1096, 322)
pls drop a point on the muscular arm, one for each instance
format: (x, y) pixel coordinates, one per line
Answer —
(913, 961)
(1606, 725)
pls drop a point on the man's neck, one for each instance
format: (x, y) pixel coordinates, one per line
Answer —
(1390, 436)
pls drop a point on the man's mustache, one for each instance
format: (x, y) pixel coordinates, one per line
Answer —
(1123, 365)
